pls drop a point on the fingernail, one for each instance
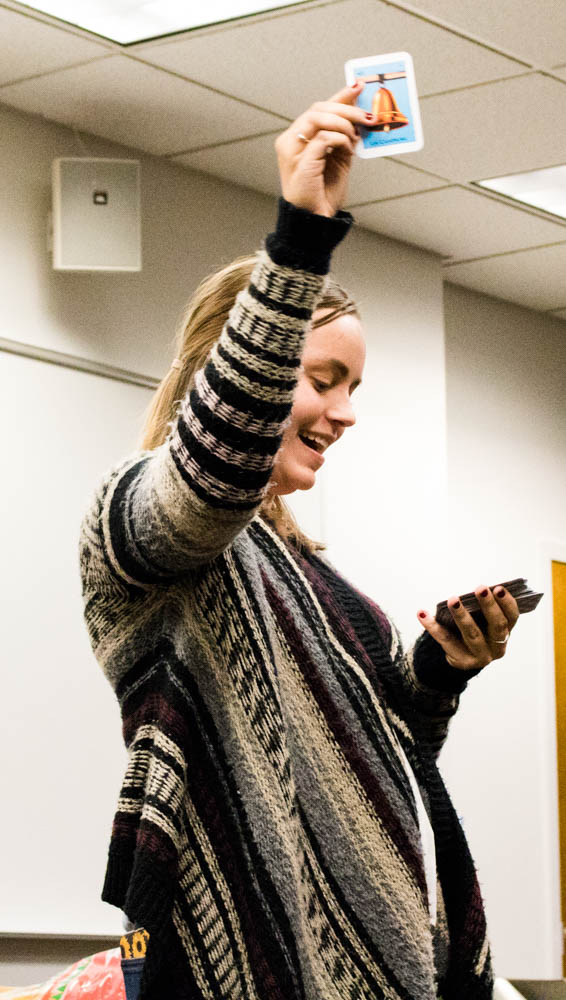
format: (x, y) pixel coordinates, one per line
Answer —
(355, 84)
(422, 614)
(369, 117)
(484, 593)
(455, 606)
(500, 592)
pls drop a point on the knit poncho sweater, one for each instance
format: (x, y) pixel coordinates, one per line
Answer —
(266, 833)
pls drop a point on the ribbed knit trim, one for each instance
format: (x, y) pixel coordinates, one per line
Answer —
(433, 670)
(305, 241)
(456, 871)
(145, 893)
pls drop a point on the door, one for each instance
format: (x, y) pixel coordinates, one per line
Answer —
(559, 602)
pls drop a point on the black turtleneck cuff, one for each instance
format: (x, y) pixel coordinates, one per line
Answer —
(433, 670)
(305, 241)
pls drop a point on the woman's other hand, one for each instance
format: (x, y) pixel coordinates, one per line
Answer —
(476, 648)
(315, 152)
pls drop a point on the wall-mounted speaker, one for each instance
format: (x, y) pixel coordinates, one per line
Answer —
(96, 214)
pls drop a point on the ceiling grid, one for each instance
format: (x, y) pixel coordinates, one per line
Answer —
(215, 98)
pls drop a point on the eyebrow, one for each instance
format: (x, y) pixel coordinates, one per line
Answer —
(338, 367)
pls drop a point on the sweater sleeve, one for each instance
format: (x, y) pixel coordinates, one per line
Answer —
(429, 688)
(168, 511)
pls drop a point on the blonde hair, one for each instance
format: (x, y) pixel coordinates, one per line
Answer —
(201, 325)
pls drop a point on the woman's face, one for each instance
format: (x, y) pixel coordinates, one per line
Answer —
(332, 365)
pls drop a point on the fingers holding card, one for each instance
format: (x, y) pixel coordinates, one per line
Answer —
(390, 97)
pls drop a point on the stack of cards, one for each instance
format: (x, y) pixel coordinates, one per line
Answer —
(526, 598)
(390, 93)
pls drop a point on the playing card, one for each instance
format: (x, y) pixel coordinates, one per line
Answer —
(390, 93)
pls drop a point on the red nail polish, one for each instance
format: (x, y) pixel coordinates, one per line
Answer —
(501, 593)
(355, 85)
(369, 117)
(422, 614)
(456, 606)
(484, 593)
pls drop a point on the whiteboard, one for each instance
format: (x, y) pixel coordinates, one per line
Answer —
(61, 747)
(60, 739)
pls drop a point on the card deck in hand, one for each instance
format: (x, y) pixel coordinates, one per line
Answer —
(526, 598)
(390, 93)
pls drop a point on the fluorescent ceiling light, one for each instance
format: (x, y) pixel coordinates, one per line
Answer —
(128, 21)
(545, 189)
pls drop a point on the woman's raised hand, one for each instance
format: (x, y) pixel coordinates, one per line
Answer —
(315, 152)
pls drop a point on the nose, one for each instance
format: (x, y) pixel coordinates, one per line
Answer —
(341, 411)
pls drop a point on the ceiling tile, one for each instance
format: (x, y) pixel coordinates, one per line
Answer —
(455, 222)
(384, 177)
(533, 278)
(253, 163)
(276, 62)
(250, 162)
(535, 30)
(136, 105)
(279, 63)
(499, 128)
(29, 47)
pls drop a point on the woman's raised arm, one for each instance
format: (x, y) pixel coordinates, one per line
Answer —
(168, 511)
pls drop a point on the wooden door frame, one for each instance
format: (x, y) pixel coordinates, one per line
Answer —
(549, 552)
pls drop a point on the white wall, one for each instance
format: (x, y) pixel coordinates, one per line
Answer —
(385, 487)
(66, 428)
(191, 225)
(506, 398)
(384, 495)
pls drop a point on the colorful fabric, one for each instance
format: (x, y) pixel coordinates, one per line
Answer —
(98, 977)
(267, 835)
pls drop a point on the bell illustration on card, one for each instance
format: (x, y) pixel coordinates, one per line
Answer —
(384, 106)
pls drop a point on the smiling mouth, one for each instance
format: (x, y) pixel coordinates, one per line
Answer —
(312, 444)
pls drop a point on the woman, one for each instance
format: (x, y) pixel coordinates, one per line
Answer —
(282, 831)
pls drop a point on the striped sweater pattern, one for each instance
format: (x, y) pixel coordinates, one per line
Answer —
(266, 833)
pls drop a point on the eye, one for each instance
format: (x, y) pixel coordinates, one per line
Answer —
(321, 386)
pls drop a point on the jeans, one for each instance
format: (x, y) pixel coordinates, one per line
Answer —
(132, 972)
